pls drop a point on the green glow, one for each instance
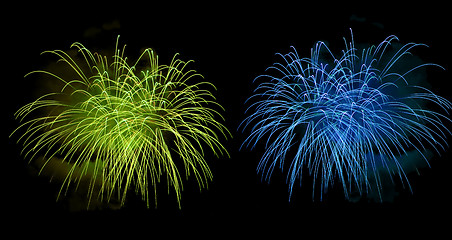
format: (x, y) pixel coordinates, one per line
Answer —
(121, 125)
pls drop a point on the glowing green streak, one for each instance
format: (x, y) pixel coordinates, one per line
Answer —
(121, 127)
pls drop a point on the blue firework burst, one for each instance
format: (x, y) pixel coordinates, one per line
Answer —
(349, 119)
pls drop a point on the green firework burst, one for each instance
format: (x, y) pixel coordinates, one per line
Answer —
(124, 125)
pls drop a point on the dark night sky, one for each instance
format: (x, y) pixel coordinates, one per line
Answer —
(231, 45)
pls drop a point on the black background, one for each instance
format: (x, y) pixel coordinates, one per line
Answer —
(231, 43)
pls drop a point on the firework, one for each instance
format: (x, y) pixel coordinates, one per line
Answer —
(124, 126)
(349, 119)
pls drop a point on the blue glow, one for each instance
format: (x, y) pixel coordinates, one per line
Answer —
(347, 119)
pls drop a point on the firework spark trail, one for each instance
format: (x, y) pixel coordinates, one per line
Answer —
(348, 118)
(125, 125)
